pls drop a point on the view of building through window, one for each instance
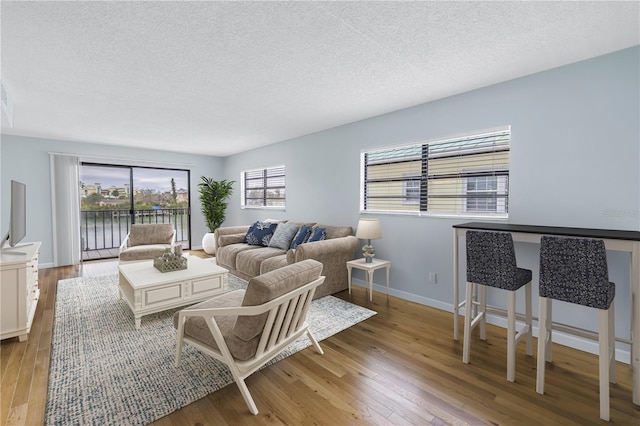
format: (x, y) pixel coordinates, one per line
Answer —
(107, 186)
(114, 197)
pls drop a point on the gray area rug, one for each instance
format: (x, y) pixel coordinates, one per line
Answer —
(105, 372)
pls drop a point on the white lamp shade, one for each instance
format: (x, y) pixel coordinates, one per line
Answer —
(369, 229)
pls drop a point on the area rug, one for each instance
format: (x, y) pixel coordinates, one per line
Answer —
(104, 371)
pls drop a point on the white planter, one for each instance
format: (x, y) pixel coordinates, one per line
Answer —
(209, 243)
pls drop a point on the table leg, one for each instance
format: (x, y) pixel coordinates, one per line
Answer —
(456, 330)
(349, 272)
(370, 279)
(388, 270)
(635, 321)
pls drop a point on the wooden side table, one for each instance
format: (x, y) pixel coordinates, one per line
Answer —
(369, 268)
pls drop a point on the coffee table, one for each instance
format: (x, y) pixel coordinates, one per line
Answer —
(147, 290)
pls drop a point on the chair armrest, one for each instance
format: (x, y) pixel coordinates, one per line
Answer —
(125, 244)
(249, 310)
(225, 240)
(334, 249)
(219, 312)
(229, 230)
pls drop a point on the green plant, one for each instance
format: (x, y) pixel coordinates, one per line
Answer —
(213, 197)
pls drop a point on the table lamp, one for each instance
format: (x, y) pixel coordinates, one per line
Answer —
(368, 229)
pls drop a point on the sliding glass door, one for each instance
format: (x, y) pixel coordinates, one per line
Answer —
(114, 197)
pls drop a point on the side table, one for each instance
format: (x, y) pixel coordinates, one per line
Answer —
(369, 268)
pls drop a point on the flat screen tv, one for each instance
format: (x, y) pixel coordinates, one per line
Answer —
(18, 215)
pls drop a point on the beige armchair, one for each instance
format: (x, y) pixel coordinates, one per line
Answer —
(146, 241)
(246, 329)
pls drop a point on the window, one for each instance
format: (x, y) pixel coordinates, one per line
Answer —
(411, 192)
(112, 197)
(486, 194)
(264, 187)
(457, 176)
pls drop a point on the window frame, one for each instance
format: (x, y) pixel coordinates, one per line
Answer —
(266, 173)
(495, 142)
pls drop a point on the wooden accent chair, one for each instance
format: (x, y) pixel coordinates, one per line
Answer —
(245, 329)
(146, 241)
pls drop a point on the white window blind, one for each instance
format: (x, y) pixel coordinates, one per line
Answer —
(458, 176)
(264, 187)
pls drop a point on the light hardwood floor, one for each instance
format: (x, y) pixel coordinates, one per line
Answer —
(399, 367)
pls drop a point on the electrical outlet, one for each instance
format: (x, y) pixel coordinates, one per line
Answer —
(433, 278)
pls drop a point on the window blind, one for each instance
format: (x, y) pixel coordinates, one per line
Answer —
(465, 175)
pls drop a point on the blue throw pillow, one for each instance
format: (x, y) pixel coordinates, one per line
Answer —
(301, 237)
(284, 234)
(260, 233)
(318, 234)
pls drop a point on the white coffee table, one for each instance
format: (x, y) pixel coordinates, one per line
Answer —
(147, 290)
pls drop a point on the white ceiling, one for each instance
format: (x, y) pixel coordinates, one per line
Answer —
(219, 78)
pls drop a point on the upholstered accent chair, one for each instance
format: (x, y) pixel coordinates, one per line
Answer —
(146, 241)
(247, 328)
(574, 270)
(491, 262)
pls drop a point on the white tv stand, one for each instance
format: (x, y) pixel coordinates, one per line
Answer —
(19, 291)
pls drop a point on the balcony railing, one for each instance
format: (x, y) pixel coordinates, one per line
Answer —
(102, 231)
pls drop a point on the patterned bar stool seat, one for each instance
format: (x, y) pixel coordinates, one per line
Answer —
(575, 270)
(491, 261)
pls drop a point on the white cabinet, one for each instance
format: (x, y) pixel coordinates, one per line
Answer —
(19, 290)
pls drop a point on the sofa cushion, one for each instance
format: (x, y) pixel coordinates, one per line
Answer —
(248, 262)
(317, 234)
(150, 233)
(260, 233)
(273, 263)
(148, 251)
(197, 328)
(226, 256)
(269, 286)
(283, 235)
(225, 240)
(301, 236)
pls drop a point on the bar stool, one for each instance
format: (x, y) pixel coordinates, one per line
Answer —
(574, 270)
(491, 261)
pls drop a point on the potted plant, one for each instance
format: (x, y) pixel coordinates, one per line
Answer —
(213, 197)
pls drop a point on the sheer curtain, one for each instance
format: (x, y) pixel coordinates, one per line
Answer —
(65, 208)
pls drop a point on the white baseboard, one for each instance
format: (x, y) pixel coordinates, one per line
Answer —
(575, 342)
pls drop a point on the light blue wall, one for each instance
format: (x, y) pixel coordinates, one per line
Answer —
(27, 160)
(575, 161)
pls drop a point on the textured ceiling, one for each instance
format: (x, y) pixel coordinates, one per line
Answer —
(224, 77)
